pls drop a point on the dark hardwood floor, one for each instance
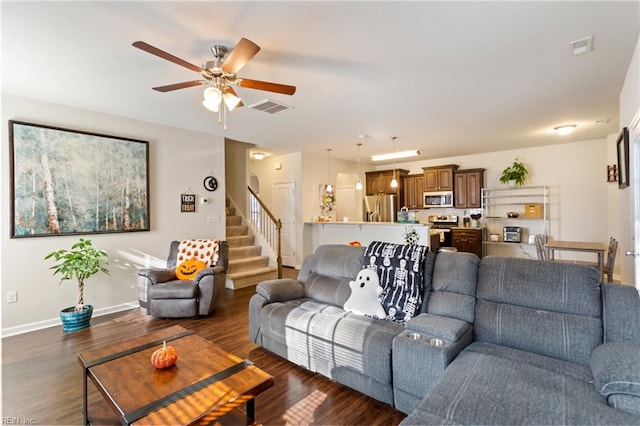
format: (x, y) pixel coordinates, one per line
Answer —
(42, 379)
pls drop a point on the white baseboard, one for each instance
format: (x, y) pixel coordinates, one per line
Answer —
(39, 325)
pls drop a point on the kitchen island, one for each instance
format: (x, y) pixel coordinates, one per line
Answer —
(319, 233)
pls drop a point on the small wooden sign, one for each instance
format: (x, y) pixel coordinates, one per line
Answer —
(188, 203)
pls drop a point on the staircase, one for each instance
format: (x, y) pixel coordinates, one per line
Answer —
(247, 266)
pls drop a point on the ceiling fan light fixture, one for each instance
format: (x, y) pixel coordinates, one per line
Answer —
(212, 97)
(230, 100)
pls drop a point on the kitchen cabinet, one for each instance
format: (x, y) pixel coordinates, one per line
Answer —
(439, 178)
(467, 240)
(413, 188)
(379, 181)
(524, 207)
(468, 188)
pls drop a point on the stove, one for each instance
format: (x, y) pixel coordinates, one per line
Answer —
(441, 225)
(442, 221)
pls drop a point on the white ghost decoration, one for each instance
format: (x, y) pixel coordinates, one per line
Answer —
(365, 291)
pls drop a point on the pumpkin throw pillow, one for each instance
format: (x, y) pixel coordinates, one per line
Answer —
(400, 269)
(195, 255)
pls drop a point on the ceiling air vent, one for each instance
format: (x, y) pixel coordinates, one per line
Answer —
(582, 46)
(270, 106)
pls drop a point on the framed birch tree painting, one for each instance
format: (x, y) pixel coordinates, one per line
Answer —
(70, 182)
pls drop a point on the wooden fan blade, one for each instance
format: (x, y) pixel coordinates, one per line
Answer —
(170, 87)
(240, 55)
(164, 55)
(267, 86)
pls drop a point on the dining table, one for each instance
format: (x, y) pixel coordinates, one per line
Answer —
(577, 246)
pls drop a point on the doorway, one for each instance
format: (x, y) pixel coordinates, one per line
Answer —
(284, 208)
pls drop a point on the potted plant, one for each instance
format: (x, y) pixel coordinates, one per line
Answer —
(81, 262)
(515, 174)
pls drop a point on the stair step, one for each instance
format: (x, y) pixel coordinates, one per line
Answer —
(234, 220)
(251, 278)
(245, 240)
(235, 231)
(239, 265)
(246, 251)
(231, 211)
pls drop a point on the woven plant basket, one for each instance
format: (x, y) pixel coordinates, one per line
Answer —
(73, 320)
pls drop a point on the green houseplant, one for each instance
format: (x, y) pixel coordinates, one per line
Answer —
(515, 174)
(81, 262)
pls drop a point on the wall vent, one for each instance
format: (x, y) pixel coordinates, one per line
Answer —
(582, 46)
(270, 106)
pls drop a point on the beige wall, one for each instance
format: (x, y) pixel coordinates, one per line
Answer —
(236, 172)
(179, 160)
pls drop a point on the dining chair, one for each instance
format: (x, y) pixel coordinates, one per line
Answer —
(542, 252)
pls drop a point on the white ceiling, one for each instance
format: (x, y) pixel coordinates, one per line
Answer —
(449, 78)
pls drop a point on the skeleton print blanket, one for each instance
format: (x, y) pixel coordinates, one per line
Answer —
(401, 270)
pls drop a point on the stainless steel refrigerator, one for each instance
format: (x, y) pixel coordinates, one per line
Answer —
(380, 208)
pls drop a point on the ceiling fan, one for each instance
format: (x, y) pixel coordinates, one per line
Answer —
(219, 73)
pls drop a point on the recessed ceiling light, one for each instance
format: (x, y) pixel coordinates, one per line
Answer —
(258, 155)
(564, 129)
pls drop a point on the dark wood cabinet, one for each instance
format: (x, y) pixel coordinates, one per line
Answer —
(468, 188)
(413, 189)
(379, 182)
(439, 178)
(467, 240)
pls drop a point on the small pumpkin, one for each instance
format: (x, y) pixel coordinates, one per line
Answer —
(164, 357)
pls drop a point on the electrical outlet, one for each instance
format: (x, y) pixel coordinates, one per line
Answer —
(12, 296)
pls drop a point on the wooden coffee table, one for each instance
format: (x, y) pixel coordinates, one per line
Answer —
(205, 381)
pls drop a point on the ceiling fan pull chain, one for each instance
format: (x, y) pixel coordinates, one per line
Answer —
(224, 107)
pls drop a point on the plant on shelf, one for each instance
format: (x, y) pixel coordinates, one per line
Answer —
(515, 174)
(81, 262)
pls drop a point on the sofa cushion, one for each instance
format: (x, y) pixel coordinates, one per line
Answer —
(177, 289)
(488, 384)
(401, 271)
(550, 308)
(454, 286)
(328, 340)
(327, 289)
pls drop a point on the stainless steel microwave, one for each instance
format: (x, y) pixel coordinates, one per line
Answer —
(438, 199)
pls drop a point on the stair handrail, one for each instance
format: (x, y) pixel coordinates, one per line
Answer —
(275, 225)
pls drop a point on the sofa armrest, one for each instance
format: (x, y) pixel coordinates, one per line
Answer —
(158, 275)
(616, 373)
(445, 328)
(422, 352)
(280, 290)
(211, 283)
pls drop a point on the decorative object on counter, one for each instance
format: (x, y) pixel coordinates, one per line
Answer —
(81, 262)
(410, 236)
(355, 243)
(327, 200)
(513, 215)
(474, 220)
(515, 174)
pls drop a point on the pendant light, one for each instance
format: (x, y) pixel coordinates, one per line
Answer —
(394, 181)
(359, 183)
(329, 186)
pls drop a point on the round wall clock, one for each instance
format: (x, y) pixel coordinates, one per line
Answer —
(210, 183)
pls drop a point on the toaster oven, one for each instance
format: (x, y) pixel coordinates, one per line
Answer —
(512, 234)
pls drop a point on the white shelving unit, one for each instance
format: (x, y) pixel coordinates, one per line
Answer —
(497, 202)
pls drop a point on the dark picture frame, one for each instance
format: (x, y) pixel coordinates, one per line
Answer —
(66, 182)
(622, 148)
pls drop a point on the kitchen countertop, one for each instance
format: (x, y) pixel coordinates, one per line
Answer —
(369, 223)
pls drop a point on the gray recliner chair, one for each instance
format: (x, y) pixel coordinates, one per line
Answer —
(161, 294)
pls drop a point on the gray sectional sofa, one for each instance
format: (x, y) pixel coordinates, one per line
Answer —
(497, 340)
